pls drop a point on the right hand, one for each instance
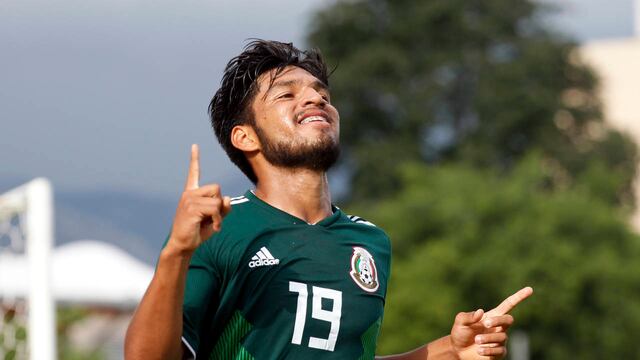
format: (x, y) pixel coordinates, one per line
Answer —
(200, 210)
(480, 335)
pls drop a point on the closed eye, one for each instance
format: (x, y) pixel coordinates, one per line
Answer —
(284, 96)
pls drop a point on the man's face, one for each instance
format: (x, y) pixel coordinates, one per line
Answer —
(295, 122)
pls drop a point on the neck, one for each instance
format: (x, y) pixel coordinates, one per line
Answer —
(300, 192)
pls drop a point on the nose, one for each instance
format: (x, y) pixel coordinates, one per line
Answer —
(313, 97)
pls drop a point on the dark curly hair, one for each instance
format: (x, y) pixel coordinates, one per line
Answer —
(231, 104)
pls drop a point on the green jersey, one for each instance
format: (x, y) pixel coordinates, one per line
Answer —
(271, 286)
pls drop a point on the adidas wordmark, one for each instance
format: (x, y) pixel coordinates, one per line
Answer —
(263, 258)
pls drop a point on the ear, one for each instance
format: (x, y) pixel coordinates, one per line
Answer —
(244, 138)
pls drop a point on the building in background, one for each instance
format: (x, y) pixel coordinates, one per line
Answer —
(617, 62)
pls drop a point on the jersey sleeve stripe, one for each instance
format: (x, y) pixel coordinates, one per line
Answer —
(239, 201)
(359, 220)
(188, 346)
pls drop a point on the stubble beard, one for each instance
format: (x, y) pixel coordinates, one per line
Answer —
(297, 153)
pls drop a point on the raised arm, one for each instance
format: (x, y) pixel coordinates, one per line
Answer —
(474, 336)
(156, 328)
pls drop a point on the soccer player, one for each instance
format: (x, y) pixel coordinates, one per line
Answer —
(286, 274)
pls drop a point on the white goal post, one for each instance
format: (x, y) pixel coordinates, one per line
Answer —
(26, 234)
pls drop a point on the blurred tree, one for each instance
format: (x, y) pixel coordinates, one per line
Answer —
(475, 81)
(466, 239)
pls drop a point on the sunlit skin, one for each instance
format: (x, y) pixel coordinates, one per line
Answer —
(296, 95)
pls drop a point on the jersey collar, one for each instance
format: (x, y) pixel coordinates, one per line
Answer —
(337, 213)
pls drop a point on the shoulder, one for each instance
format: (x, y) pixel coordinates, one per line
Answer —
(361, 223)
(366, 228)
(244, 218)
(239, 226)
(242, 210)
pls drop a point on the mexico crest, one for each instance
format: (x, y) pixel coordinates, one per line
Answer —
(363, 270)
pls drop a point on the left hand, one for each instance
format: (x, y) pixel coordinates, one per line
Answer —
(480, 335)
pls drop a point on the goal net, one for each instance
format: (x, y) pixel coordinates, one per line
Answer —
(27, 310)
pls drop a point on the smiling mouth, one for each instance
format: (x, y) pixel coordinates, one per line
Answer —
(315, 118)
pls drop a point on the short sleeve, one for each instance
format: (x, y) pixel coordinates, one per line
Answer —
(200, 297)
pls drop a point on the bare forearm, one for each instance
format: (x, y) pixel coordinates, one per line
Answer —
(156, 328)
(439, 349)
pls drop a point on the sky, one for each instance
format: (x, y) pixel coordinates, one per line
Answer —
(593, 20)
(109, 95)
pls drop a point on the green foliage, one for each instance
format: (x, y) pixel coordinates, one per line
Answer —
(472, 81)
(465, 239)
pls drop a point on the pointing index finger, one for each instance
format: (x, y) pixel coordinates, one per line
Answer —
(193, 177)
(509, 303)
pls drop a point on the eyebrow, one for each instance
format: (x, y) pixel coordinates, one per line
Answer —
(317, 84)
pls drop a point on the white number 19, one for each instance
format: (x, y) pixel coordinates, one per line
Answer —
(317, 312)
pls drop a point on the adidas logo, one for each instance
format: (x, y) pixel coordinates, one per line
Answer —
(263, 258)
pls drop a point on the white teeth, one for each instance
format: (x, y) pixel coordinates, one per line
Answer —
(312, 118)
